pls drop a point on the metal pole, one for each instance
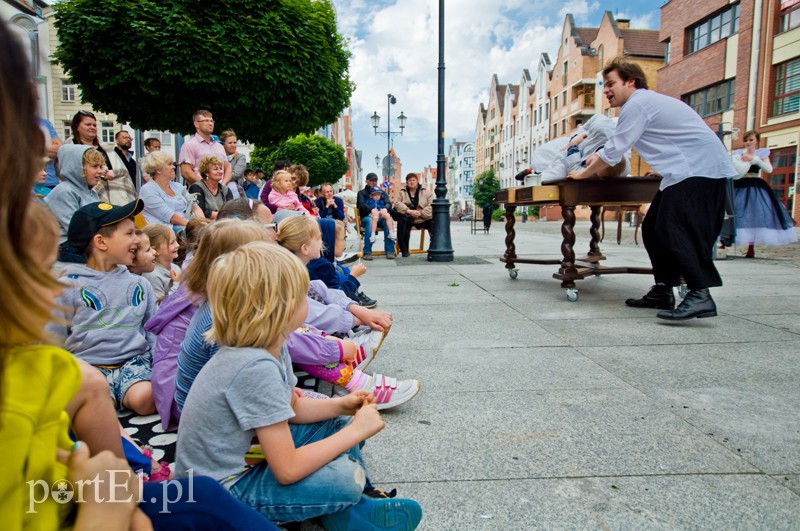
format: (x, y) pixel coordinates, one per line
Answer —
(441, 250)
(389, 163)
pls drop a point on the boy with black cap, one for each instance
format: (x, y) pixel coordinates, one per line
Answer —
(100, 315)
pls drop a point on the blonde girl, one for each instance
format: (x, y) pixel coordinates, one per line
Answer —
(282, 195)
(166, 275)
(217, 239)
(247, 390)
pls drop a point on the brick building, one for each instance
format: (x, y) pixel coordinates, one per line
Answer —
(738, 65)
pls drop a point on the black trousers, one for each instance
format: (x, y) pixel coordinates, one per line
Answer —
(404, 226)
(680, 231)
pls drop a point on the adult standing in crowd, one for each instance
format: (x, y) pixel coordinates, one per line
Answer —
(202, 145)
(120, 189)
(237, 160)
(151, 144)
(329, 205)
(364, 211)
(51, 181)
(84, 131)
(413, 209)
(686, 214)
(165, 201)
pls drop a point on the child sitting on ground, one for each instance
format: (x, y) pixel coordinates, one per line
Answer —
(322, 356)
(283, 196)
(378, 210)
(166, 276)
(145, 259)
(248, 391)
(250, 185)
(194, 229)
(333, 312)
(334, 275)
(100, 315)
(81, 168)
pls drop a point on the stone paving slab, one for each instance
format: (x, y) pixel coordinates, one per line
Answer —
(454, 326)
(484, 369)
(541, 434)
(538, 413)
(653, 331)
(631, 503)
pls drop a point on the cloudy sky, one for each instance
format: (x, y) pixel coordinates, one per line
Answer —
(395, 50)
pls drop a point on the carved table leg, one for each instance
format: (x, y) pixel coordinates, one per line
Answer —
(568, 271)
(594, 232)
(511, 249)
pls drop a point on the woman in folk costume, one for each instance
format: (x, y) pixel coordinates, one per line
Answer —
(760, 217)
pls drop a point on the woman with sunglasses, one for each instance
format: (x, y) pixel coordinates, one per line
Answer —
(84, 131)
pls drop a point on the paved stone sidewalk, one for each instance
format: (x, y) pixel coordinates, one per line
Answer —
(538, 413)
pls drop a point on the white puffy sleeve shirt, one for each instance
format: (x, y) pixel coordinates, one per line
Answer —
(670, 136)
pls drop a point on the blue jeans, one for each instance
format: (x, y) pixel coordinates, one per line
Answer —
(366, 224)
(198, 503)
(331, 489)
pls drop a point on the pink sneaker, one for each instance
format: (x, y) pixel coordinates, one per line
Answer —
(389, 392)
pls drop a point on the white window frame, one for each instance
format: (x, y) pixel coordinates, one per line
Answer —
(68, 91)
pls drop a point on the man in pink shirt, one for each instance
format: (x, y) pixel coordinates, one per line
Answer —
(201, 145)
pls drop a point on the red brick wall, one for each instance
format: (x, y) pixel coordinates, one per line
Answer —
(688, 73)
(677, 15)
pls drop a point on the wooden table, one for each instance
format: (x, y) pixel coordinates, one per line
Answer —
(568, 193)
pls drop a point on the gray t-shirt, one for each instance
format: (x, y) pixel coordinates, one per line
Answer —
(238, 390)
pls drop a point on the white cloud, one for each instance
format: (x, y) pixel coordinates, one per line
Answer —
(395, 50)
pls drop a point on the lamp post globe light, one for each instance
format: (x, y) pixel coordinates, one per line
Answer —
(388, 162)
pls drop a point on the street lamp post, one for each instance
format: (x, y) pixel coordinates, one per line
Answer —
(388, 169)
(441, 250)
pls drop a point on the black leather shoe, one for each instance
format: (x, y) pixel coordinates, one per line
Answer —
(659, 297)
(697, 303)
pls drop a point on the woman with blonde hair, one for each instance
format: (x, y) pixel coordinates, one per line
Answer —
(165, 201)
(210, 192)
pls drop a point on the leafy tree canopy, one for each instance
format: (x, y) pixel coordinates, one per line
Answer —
(324, 159)
(486, 187)
(270, 69)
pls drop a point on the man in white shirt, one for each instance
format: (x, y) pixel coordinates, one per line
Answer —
(686, 214)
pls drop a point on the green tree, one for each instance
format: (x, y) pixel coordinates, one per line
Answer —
(486, 187)
(324, 159)
(270, 69)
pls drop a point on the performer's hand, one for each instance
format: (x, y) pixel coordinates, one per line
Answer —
(652, 173)
(747, 157)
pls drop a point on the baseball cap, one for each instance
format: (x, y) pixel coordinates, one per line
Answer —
(375, 190)
(372, 177)
(87, 221)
